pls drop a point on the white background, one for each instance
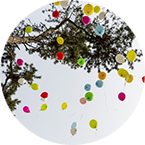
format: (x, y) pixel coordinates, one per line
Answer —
(12, 131)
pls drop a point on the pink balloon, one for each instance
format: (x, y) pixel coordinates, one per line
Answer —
(83, 101)
(26, 109)
(121, 96)
(86, 20)
(20, 62)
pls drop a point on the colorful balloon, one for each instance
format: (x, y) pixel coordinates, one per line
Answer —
(102, 75)
(28, 29)
(21, 81)
(35, 86)
(123, 73)
(97, 9)
(87, 87)
(143, 79)
(44, 107)
(99, 30)
(60, 40)
(55, 14)
(131, 55)
(121, 96)
(57, 3)
(59, 56)
(73, 131)
(102, 15)
(64, 106)
(88, 9)
(81, 61)
(93, 124)
(20, 62)
(26, 109)
(129, 78)
(44, 96)
(83, 101)
(99, 83)
(64, 3)
(119, 58)
(86, 20)
(74, 124)
(89, 96)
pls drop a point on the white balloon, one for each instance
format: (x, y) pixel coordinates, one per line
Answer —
(43, 99)
(119, 58)
(65, 3)
(21, 81)
(102, 15)
(73, 130)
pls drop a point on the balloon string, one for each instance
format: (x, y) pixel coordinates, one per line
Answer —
(55, 113)
(83, 111)
(66, 137)
(117, 107)
(96, 134)
(105, 97)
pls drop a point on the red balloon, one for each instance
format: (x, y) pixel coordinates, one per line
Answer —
(143, 79)
(121, 96)
(55, 14)
(59, 56)
(83, 101)
(44, 95)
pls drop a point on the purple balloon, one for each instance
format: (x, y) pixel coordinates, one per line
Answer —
(26, 109)
(121, 96)
(86, 20)
(20, 62)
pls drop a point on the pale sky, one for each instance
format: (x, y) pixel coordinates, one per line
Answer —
(66, 85)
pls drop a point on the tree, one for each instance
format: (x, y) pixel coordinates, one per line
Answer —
(79, 40)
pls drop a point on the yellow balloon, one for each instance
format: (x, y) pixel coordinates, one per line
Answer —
(123, 73)
(44, 107)
(28, 29)
(57, 3)
(97, 9)
(35, 86)
(88, 9)
(131, 55)
(64, 106)
(129, 78)
(60, 40)
(93, 124)
(102, 75)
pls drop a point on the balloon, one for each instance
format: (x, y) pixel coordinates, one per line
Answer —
(129, 78)
(60, 40)
(64, 3)
(89, 96)
(59, 56)
(102, 75)
(21, 81)
(64, 106)
(86, 20)
(44, 96)
(131, 55)
(55, 14)
(99, 83)
(81, 61)
(121, 96)
(35, 86)
(119, 58)
(44, 107)
(143, 79)
(28, 29)
(93, 124)
(73, 131)
(99, 30)
(102, 15)
(74, 124)
(87, 87)
(123, 73)
(88, 9)
(20, 62)
(97, 9)
(57, 3)
(26, 109)
(83, 101)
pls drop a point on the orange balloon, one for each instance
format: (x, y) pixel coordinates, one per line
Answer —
(102, 75)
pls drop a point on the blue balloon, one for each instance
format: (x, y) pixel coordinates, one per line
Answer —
(74, 125)
(87, 87)
(99, 30)
(99, 83)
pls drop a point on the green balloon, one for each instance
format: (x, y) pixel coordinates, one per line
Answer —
(81, 61)
(28, 29)
(89, 96)
(93, 124)
(35, 86)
